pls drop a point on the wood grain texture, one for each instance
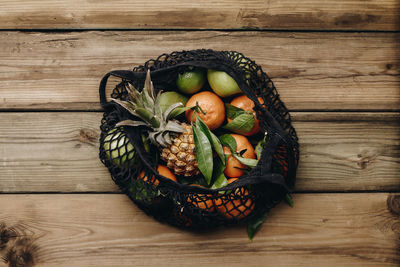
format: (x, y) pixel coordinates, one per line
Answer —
(108, 230)
(158, 14)
(59, 152)
(312, 71)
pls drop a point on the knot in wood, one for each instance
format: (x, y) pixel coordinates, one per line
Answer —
(21, 254)
(6, 233)
(88, 136)
(393, 204)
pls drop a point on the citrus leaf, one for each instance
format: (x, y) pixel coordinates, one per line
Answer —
(241, 124)
(220, 178)
(212, 138)
(246, 161)
(254, 225)
(259, 147)
(289, 200)
(232, 111)
(218, 148)
(177, 111)
(203, 153)
(229, 141)
(221, 181)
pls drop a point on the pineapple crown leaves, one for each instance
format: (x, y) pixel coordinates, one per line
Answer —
(145, 105)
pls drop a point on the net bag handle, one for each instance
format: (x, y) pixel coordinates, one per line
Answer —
(123, 74)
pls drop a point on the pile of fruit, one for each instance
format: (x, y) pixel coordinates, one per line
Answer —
(203, 133)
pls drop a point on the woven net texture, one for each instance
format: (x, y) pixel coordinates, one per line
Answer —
(182, 205)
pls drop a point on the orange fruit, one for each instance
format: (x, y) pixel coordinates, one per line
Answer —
(239, 207)
(201, 201)
(211, 104)
(162, 170)
(233, 166)
(247, 104)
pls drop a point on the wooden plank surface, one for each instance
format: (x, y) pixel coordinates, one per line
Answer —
(312, 71)
(158, 14)
(108, 230)
(58, 152)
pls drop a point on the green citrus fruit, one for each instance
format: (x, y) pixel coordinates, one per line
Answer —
(222, 84)
(118, 148)
(191, 81)
(169, 98)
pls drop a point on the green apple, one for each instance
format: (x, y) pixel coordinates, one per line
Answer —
(169, 98)
(222, 84)
(191, 81)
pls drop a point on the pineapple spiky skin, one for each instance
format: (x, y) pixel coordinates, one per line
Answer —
(180, 156)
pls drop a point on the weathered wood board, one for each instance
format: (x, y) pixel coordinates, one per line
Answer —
(336, 65)
(58, 152)
(108, 230)
(157, 14)
(312, 71)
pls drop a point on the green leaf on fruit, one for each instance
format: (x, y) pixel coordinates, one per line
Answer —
(232, 111)
(254, 225)
(246, 161)
(220, 179)
(260, 146)
(241, 124)
(204, 155)
(229, 141)
(216, 144)
(289, 200)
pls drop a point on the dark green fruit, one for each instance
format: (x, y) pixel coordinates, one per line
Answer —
(118, 148)
(191, 81)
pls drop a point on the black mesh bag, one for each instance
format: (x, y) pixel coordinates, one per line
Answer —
(182, 205)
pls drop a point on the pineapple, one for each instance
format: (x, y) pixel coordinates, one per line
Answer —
(180, 156)
(174, 139)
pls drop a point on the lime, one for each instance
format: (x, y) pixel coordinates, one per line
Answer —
(222, 84)
(118, 148)
(191, 81)
(169, 98)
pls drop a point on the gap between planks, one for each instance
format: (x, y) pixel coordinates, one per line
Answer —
(283, 14)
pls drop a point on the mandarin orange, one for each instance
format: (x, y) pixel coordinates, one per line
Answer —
(233, 166)
(239, 207)
(201, 201)
(247, 104)
(211, 104)
(162, 170)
